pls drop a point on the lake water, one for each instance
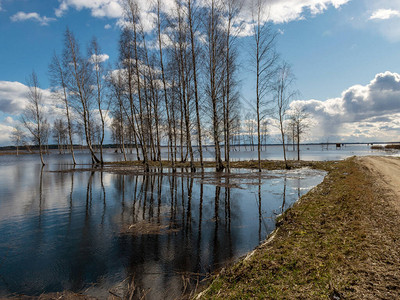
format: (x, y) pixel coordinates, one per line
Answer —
(307, 152)
(95, 232)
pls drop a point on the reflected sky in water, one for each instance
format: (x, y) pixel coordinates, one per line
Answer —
(96, 231)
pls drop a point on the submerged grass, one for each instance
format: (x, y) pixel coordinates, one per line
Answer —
(245, 164)
(340, 241)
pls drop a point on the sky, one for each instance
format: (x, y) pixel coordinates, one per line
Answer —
(345, 55)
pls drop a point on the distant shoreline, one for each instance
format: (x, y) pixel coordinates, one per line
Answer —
(114, 146)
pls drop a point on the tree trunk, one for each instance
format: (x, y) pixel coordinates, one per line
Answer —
(195, 84)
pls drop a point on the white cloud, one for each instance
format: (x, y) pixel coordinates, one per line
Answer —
(61, 9)
(283, 11)
(384, 14)
(278, 11)
(98, 8)
(361, 112)
(112, 9)
(5, 132)
(12, 97)
(22, 16)
(98, 58)
(107, 26)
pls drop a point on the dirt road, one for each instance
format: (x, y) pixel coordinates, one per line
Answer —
(386, 171)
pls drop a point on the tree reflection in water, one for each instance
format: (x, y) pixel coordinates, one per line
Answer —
(150, 234)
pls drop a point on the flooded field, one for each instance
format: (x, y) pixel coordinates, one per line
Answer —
(98, 232)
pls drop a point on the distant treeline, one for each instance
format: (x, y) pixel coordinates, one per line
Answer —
(375, 145)
(386, 147)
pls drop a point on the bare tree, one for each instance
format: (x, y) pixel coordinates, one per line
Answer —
(300, 120)
(290, 132)
(231, 11)
(250, 129)
(118, 125)
(58, 78)
(97, 60)
(192, 18)
(132, 15)
(80, 85)
(33, 117)
(215, 65)
(264, 57)
(46, 129)
(60, 132)
(283, 94)
(164, 84)
(264, 133)
(126, 58)
(18, 136)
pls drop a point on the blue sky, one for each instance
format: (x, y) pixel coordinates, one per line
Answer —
(339, 51)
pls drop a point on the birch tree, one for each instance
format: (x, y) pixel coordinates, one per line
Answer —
(18, 137)
(60, 134)
(58, 79)
(164, 84)
(264, 57)
(96, 58)
(231, 11)
(33, 117)
(300, 122)
(215, 51)
(192, 20)
(283, 94)
(132, 15)
(80, 85)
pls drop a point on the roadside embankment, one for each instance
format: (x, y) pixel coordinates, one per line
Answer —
(340, 241)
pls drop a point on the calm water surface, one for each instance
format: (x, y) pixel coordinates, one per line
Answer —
(307, 152)
(93, 232)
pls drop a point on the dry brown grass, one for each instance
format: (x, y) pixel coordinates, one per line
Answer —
(341, 241)
(66, 295)
(145, 227)
(245, 164)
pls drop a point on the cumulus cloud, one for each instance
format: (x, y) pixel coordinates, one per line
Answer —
(107, 26)
(98, 8)
(290, 10)
(12, 97)
(22, 16)
(360, 112)
(98, 58)
(384, 14)
(5, 132)
(278, 11)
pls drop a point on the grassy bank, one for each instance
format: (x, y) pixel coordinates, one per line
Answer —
(245, 164)
(341, 241)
